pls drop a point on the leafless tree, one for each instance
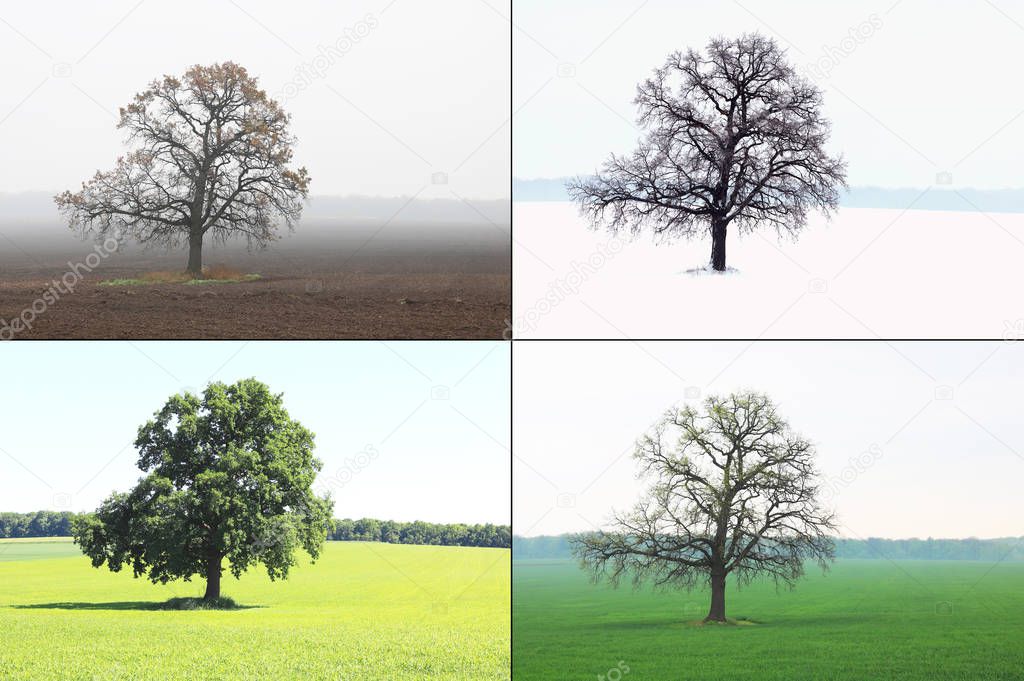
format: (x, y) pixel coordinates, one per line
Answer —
(735, 137)
(734, 494)
(210, 154)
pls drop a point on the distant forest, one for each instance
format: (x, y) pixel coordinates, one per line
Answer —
(419, 532)
(58, 524)
(1009, 548)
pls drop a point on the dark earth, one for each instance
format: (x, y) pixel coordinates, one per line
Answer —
(334, 283)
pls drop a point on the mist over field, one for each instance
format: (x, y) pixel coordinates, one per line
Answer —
(29, 220)
(352, 267)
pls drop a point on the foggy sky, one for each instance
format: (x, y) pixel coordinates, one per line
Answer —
(913, 439)
(383, 94)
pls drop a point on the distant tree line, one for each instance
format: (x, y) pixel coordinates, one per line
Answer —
(1008, 548)
(58, 524)
(419, 532)
(37, 524)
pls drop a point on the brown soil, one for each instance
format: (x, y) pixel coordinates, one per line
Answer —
(309, 293)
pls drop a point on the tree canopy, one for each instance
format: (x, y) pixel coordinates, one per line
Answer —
(733, 493)
(733, 137)
(228, 475)
(210, 154)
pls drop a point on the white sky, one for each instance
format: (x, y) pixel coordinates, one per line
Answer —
(925, 91)
(945, 468)
(427, 87)
(435, 413)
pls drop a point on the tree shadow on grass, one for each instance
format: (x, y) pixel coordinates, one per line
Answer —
(175, 604)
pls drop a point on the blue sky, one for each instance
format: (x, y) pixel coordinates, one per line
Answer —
(913, 87)
(406, 430)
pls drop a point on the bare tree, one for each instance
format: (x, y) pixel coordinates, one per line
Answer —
(734, 493)
(732, 138)
(210, 154)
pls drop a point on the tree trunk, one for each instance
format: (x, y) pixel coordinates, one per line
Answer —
(195, 254)
(213, 578)
(717, 612)
(718, 232)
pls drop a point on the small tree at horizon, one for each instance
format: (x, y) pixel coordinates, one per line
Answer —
(210, 155)
(733, 138)
(733, 494)
(229, 476)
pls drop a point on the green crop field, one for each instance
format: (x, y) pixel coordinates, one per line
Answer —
(865, 619)
(363, 611)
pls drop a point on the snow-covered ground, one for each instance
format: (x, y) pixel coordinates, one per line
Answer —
(866, 274)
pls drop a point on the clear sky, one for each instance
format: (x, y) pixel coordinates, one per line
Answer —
(913, 87)
(399, 89)
(913, 439)
(407, 431)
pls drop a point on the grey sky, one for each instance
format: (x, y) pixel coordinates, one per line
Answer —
(913, 439)
(916, 89)
(407, 89)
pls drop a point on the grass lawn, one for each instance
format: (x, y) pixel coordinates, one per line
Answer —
(865, 619)
(363, 611)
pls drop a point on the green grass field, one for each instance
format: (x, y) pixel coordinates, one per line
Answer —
(925, 620)
(363, 611)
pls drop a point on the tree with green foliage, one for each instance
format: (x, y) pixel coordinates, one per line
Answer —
(229, 475)
(734, 494)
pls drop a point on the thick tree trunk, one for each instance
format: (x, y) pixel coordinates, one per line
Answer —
(213, 568)
(718, 232)
(195, 254)
(717, 612)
